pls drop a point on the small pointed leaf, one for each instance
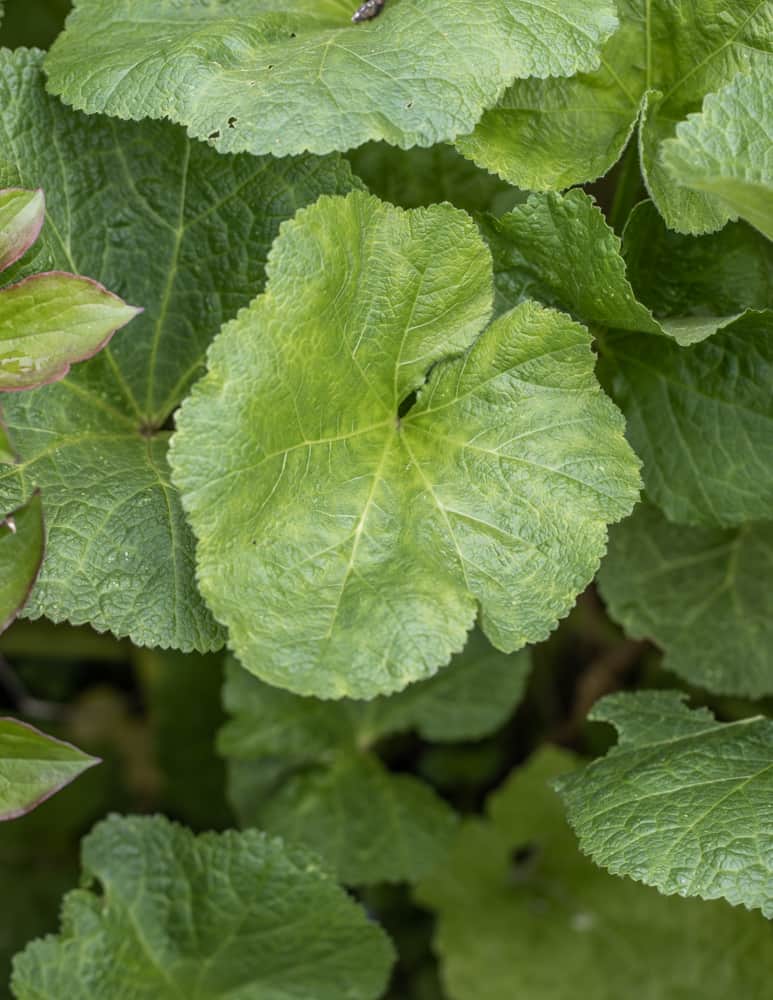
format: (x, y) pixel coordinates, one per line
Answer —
(34, 766)
(22, 214)
(22, 544)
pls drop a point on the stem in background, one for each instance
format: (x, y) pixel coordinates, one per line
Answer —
(25, 704)
(629, 190)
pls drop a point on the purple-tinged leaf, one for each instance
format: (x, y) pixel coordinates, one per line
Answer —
(21, 218)
(34, 766)
(49, 321)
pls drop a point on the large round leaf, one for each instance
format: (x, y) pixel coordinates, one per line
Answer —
(348, 538)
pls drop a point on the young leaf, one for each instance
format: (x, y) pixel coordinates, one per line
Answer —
(172, 225)
(701, 419)
(249, 76)
(694, 285)
(682, 802)
(725, 150)
(22, 214)
(245, 917)
(303, 768)
(348, 544)
(700, 594)
(551, 134)
(34, 766)
(521, 913)
(22, 544)
(49, 321)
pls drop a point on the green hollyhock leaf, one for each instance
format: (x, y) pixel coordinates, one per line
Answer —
(247, 918)
(701, 419)
(251, 76)
(316, 485)
(725, 150)
(22, 544)
(22, 214)
(120, 555)
(656, 69)
(683, 802)
(700, 594)
(303, 768)
(696, 285)
(521, 912)
(559, 249)
(34, 766)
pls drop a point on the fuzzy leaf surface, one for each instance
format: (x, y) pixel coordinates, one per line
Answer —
(302, 768)
(700, 594)
(683, 802)
(656, 69)
(255, 76)
(313, 495)
(701, 419)
(22, 544)
(34, 766)
(515, 892)
(725, 150)
(248, 919)
(120, 555)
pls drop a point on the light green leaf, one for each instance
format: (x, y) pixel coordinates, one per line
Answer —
(247, 918)
(313, 494)
(660, 64)
(176, 228)
(303, 768)
(22, 544)
(521, 913)
(415, 177)
(49, 321)
(702, 594)
(249, 75)
(683, 802)
(7, 454)
(22, 214)
(696, 285)
(701, 419)
(34, 766)
(725, 151)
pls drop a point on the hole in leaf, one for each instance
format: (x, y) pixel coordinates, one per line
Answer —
(232, 122)
(406, 404)
(215, 134)
(292, 34)
(409, 104)
(270, 66)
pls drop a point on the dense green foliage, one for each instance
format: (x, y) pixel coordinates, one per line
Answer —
(386, 500)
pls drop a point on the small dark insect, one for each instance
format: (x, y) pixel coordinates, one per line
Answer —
(368, 10)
